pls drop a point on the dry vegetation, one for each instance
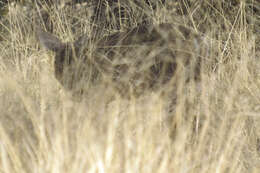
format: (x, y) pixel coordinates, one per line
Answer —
(211, 128)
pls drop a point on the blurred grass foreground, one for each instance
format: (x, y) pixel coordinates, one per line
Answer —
(211, 128)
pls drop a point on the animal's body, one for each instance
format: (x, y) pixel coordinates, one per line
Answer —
(144, 57)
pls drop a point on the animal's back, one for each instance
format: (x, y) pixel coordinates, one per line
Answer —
(147, 56)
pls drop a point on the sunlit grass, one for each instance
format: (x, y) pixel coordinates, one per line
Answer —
(211, 127)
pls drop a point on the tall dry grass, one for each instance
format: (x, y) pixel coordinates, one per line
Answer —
(213, 128)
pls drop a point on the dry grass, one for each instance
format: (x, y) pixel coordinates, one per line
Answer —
(214, 128)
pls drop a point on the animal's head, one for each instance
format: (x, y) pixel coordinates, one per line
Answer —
(66, 61)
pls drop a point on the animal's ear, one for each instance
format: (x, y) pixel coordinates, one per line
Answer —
(49, 41)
